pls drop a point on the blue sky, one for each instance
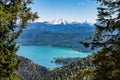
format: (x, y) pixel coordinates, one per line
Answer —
(70, 10)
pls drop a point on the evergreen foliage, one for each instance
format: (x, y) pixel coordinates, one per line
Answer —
(31, 71)
(12, 12)
(72, 71)
(107, 38)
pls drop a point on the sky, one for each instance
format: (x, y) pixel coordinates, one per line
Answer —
(69, 10)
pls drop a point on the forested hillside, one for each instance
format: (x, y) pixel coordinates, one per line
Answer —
(73, 71)
(31, 71)
(61, 35)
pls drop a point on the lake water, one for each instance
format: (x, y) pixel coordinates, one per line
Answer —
(43, 55)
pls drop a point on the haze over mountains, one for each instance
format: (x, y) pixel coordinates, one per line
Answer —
(58, 33)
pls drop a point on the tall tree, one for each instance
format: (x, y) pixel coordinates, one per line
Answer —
(107, 39)
(14, 16)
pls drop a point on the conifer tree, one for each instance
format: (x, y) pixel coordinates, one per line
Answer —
(14, 16)
(107, 39)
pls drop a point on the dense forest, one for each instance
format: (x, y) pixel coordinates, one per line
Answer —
(64, 61)
(71, 71)
(30, 71)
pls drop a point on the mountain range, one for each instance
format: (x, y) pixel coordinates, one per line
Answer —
(58, 33)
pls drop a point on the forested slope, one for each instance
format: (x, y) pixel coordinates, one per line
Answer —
(30, 71)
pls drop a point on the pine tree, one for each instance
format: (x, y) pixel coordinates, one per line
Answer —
(107, 39)
(14, 16)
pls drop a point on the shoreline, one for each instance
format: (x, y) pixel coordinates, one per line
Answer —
(73, 49)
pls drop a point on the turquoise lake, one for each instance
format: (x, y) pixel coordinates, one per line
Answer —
(42, 55)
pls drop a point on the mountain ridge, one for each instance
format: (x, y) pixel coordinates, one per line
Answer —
(66, 36)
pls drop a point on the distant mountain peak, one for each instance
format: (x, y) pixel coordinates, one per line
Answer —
(59, 21)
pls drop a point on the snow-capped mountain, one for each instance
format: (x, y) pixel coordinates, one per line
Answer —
(59, 21)
(62, 26)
